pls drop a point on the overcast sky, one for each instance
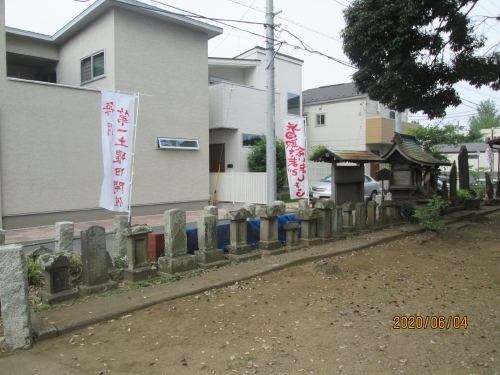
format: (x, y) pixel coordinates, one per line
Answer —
(315, 22)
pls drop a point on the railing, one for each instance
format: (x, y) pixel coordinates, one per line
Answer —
(240, 187)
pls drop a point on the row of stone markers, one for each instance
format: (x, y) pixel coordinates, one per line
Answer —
(324, 222)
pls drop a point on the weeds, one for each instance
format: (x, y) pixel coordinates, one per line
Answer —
(428, 218)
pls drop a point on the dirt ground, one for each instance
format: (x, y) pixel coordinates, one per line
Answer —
(301, 321)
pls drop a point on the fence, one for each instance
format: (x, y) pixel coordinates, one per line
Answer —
(240, 187)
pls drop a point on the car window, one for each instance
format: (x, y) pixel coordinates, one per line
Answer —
(367, 179)
(327, 179)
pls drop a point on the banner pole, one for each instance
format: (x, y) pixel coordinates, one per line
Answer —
(133, 158)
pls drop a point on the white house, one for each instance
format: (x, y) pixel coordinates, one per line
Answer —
(50, 146)
(238, 104)
(342, 118)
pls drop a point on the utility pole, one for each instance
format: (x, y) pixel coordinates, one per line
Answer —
(399, 128)
(271, 130)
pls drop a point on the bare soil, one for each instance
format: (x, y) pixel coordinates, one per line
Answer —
(301, 321)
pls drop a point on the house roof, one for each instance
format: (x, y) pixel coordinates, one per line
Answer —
(333, 92)
(263, 50)
(408, 146)
(100, 6)
(347, 156)
(471, 147)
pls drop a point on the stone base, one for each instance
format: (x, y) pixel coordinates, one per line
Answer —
(348, 229)
(337, 237)
(65, 295)
(42, 329)
(110, 285)
(168, 266)
(268, 253)
(289, 249)
(138, 274)
(311, 242)
(217, 264)
(209, 256)
(239, 249)
(244, 257)
(269, 245)
(472, 204)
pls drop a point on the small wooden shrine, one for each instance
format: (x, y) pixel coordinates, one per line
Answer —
(414, 172)
(348, 178)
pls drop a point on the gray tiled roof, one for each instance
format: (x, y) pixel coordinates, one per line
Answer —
(408, 146)
(343, 90)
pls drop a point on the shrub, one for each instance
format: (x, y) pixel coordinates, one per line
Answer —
(120, 262)
(428, 218)
(315, 150)
(462, 193)
(407, 210)
(35, 275)
(75, 268)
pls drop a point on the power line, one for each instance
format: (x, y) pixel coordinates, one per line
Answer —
(288, 20)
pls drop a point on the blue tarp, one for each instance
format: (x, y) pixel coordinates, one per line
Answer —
(253, 233)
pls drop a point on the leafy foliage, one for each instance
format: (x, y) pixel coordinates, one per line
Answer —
(257, 160)
(433, 135)
(462, 193)
(35, 275)
(315, 150)
(398, 48)
(407, 210)
(486, 118)
(428, 218)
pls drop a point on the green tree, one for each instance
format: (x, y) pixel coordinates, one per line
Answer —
(399, 49)
(433, 135)
(257, 160)
(486, 118)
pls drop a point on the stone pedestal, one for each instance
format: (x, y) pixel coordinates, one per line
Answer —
(269, 243)
(212, 210)
(239, 249)
(388, 213)
(14, 298)
(208, 256)
(176, 259)
(348, 225)
(371, 214)
(292, 235)
(337, 221)
(360, 217)
(64, 236)
(94, 261)
(309, 218)
(120, 222)
(136, 243)
(55, 269)
(325, 208)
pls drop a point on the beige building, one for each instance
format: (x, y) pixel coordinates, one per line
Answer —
(341, 118)
(50, 147)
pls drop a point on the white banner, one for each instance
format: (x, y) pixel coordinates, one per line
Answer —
(296, 158)
(117, 128)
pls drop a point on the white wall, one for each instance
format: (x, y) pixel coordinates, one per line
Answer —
(99, 35)
(345, 127)
(31, 47)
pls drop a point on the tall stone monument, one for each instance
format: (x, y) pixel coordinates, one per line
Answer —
(176, 259)
(208, 255)
(463, 169)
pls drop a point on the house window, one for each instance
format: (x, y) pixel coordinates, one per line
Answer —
(293, 104)
(320, 120)
(392, 115)
(251, 139)
(92, 67)
(178, 143)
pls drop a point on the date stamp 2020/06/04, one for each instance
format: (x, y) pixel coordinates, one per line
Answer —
(429, 321)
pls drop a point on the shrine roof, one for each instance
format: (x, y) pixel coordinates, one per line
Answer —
(347, 156)
(411, 149)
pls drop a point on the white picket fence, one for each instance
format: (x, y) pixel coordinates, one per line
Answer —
(240, 187)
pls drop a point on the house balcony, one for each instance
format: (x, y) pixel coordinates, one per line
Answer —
(233, 106)
(380, 131)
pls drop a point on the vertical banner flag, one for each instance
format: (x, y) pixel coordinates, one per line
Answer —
(295, 146)
(489, 158)
(117, 132)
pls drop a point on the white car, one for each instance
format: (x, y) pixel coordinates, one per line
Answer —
(323, 188)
